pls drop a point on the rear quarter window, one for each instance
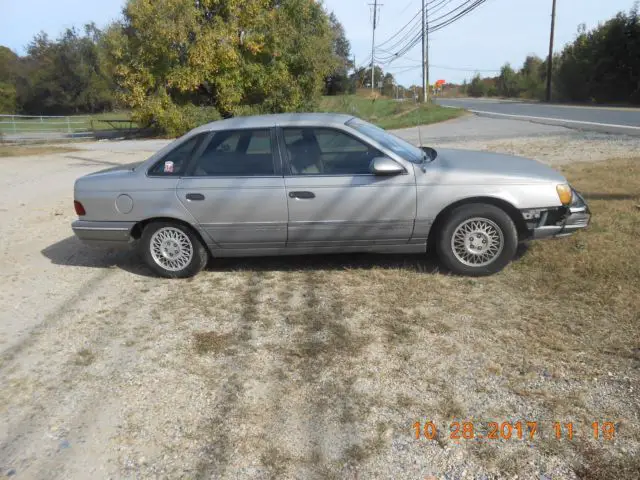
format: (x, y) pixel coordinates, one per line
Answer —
(174, 163)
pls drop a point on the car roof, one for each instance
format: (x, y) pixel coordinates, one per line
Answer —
(281, 119)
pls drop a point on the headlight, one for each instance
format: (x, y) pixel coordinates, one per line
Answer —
(577, 201)
(564, 194)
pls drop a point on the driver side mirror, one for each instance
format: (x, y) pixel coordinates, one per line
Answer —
(385, 166)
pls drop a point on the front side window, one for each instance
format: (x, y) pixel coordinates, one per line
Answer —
(397, 145)
(325, 151)
(240, 153)
(174, 163)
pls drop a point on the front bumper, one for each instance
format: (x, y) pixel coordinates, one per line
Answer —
(104, 234)
(576, 218)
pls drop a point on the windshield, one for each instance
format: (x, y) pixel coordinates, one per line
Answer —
(395, 144)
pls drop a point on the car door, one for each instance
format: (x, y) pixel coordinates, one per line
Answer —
(235, 190)
(334, 199)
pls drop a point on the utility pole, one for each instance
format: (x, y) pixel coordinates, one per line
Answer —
(373, 45)
(550, 60)
(425, 53)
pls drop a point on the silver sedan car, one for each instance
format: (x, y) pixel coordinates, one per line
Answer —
(322, 183)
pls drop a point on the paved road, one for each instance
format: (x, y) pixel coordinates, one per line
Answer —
(610, 120)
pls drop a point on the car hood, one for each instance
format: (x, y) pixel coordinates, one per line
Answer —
(462, 166)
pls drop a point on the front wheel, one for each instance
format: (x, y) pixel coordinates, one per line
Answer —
(172, 250)
(476, 240)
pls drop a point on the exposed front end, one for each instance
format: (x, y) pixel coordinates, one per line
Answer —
(560, 221)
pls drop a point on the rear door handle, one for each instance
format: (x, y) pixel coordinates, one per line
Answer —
(302, 195)
(195, 196)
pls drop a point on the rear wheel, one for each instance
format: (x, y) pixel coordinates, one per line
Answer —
(478, 239)
(172, 250)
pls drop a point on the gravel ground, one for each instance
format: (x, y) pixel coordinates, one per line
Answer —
(107, 372)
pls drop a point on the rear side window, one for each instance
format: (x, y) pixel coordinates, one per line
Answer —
(240, 153)
(174, 163)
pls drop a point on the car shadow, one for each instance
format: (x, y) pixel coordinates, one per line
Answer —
(335, 261)
(72, 252)
(522, 250)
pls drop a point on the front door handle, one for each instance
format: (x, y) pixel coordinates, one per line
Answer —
(195, 196)
(302, 195)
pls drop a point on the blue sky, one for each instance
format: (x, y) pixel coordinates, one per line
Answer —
(497, 32)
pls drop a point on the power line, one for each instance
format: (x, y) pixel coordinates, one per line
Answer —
(458, 16)
(410, 22)
(463, 9)
(406, 8)
(413, 23)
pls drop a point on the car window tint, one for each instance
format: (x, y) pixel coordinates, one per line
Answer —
(242, 153)
(331, 141)
(229, 144)
(259, 144)
(175, 162)
(326, 151)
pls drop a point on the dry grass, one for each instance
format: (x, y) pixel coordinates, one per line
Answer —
(26, 151)
(84, 357)
(600, 465)
(332, 357)
(212, 342)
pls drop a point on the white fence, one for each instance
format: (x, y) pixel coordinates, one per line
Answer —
(19, 128)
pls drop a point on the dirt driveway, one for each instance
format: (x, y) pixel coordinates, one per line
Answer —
(317, 367)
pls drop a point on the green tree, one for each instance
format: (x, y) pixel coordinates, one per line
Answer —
(338, 82)
(532, 78)
(602, 65)
(388, 85)
(9, 68)
(362, 77)
(507, 84)
(64, 76)
(272, 55)
(477, 87)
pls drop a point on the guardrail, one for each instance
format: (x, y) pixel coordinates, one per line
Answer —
(18, 128)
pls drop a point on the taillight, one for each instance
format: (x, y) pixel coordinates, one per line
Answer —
(79, 208)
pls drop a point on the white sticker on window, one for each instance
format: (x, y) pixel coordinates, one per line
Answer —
(168, 167)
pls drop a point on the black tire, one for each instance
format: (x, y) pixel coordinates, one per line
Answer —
(494, 217)
(192, 265)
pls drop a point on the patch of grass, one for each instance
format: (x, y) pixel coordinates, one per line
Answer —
(589, 285)
(276, 461)
(599, 465)
(212, 342)
(388, 113)
(450, 407)
(84, 357)
(26, 151)
(377, 340)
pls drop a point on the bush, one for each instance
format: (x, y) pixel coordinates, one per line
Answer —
(173, 120)
(477, 88)
(248, 110)
(7, 98)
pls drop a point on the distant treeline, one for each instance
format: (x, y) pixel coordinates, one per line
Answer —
(601, 66)
(56, 77)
